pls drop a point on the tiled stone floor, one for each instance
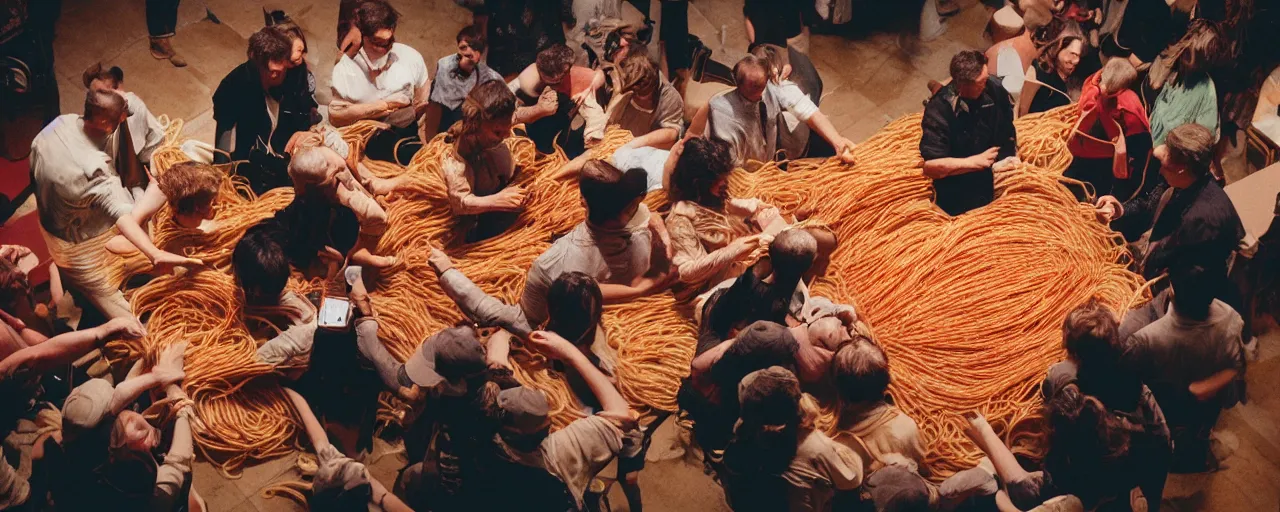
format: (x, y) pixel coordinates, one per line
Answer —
(868, 82)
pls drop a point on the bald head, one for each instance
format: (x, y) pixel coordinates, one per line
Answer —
(311, 166)
(104, 105)
(751, 73)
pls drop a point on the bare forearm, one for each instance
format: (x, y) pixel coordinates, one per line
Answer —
(943, 167)
(131, 389)
(616, 293)
(1206, 389)
(134, 233)
(661, 138)
(384, 499)
(56, 351)
(315, 431)
(529, 114)
(343, 114)
(821, 124)
(608, 396)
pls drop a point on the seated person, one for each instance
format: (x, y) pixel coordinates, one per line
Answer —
(968, 134)
(1112, 141)
(1193, 360)
(257, 104)
(189, 188)
(478, 168)
(325, 190)
(531, 468)
(261, 268)
(710, 393)
(713, 236)
(145, 131)
(456, 75)
(1193, 217)
(747, 117)
(574, 306)
(772, 289)
(340, 484)
(386, 81)
(800, 111)
(100, 436)
(867, 420)
(778, 459)
(551, 93)
(1107, 435)
(645, 103)
(81, 197)
(614, 245)
(1056, 83)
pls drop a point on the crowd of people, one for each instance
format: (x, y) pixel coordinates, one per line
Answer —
(1136, 398)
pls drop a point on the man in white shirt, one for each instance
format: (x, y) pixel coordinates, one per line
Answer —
(385, 81)
(80, 197)
(145, 131)
(747, 117)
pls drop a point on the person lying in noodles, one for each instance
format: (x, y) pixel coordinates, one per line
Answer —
(478, 168)
(189, 188)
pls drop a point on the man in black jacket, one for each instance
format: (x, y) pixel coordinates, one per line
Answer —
(968, 130)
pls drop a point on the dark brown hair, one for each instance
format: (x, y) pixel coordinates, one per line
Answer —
(967, 65)
(489, 101)
(375, 15)
(269, 45)
(1191, 145)
(554, 61)
(473, 36)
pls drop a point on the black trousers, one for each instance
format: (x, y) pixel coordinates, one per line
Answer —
(395, 145)
(162, 17)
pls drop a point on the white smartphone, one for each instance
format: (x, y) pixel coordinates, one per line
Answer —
(335, 313)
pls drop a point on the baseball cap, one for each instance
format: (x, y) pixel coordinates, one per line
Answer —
(87, 404)
(450, 354)
(525, 409)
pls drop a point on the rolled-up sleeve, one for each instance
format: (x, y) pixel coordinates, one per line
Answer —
(371, 216)
(482, 308)
(171, 476)
(461, 199)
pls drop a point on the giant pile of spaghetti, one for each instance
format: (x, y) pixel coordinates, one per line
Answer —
(968, 308)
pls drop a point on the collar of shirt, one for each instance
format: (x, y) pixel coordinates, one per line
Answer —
(370, 69)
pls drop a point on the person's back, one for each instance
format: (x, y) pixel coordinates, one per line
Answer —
(1179, 350)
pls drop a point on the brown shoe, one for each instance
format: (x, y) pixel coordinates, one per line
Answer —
(162, 49)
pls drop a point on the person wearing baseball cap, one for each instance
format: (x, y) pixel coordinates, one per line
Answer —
(710, 392)
(777, 459)
(535, 469)
(341, 484)
(446, 360)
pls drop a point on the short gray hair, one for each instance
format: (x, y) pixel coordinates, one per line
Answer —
(309, 166)
(1118, 74)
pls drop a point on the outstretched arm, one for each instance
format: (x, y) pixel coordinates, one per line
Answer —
(67, 347)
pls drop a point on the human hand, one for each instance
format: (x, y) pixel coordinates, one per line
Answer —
(552, 345)
(16, 323)
(581, 97)
(844, 150)
(510, 198)
(1006, 164)
(1108, 208)
(387, 107)
(168, 368)
(439, 261)
(766, 216)
(123, 327)
(985, 159)
(548, 102)
(165, 262)
(13, 253)
(329, 255)
(745, 246)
